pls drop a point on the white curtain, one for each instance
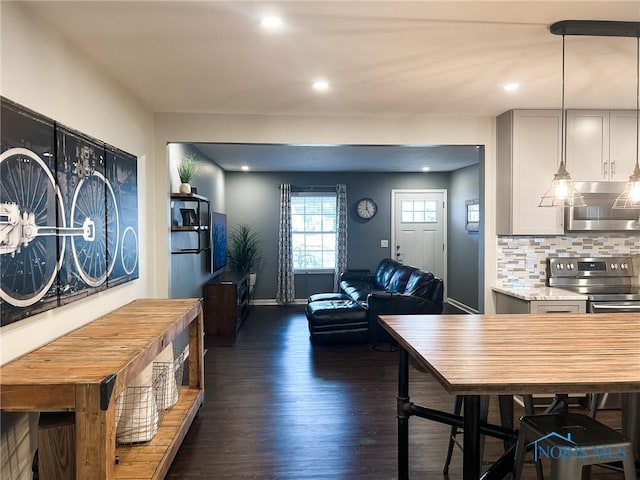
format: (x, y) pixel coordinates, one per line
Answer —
(285, 292)
(341, 237)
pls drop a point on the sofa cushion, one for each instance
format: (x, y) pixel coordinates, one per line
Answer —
(316, 297)
(399, 280)
(385, 271)
(358, 291)
(335, 312)
(337, 321)
(424, 284)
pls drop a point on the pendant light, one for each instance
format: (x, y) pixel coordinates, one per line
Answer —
(562, 192)
(630, 198)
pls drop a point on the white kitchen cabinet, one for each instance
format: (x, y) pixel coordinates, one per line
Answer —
(601, 144)
(528, 154)
(623, 136)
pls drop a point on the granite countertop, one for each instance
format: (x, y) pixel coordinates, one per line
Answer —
(540, 293)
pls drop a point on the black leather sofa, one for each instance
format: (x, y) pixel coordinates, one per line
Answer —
(352, 315)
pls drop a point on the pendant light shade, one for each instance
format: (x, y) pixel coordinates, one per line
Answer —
(630, 198)
(562, 192)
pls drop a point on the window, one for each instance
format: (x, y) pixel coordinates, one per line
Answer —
(313, 230)
(419, 211)
(473, 215)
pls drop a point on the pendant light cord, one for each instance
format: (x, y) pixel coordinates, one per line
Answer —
(563, 146)
(637, 99)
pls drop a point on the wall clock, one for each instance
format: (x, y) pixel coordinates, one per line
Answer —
(366, 208)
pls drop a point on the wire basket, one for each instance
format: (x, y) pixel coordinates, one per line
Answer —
(169, 380)
(138, 414)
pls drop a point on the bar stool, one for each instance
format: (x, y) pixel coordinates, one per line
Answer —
(506, 415)
(457, 409)
(573, 441)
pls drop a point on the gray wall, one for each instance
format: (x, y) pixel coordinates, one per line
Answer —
(189, 272)
(462, 264)
(253, 198)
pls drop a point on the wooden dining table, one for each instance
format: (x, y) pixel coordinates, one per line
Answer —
(477, 355)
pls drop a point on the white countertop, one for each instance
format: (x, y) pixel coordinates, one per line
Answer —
(540, 293)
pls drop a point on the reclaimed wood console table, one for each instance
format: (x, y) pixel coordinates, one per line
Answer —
(84, 371)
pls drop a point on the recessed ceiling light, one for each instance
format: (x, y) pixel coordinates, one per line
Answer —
(426, 169)
(271, 22)
(320, 85)
(511, 87)
(244, 168)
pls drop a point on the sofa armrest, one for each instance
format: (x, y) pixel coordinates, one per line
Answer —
(381, 303)
(359, 275)
(389, 303)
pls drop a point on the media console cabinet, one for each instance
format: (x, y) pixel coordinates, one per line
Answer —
(85, 370)
(226, 304)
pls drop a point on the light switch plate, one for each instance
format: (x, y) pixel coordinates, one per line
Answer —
(384, 243)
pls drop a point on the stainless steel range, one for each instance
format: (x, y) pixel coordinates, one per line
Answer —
(608, 282)
(610, 286)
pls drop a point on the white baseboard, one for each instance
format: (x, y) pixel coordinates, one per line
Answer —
(461, 306)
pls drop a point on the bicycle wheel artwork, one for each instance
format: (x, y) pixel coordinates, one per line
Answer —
(121, 175)
(80, 171)
(94, 202)
(31, 208)
(68, 214)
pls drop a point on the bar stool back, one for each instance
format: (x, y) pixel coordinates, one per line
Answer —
(573, 441)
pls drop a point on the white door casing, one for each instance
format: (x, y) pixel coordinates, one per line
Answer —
(418, 229)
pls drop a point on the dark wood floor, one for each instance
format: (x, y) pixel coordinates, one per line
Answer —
(278, 408)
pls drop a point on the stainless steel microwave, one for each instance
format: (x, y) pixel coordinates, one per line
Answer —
(598, 214)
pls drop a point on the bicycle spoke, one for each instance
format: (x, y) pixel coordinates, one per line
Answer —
(12, 183)
(40, 205)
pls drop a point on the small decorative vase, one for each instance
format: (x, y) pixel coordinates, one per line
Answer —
(185, 188)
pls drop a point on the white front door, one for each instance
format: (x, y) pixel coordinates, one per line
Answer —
(419, 229)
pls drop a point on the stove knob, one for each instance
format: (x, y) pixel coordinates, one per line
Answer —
(614, 266)
(569, 266)
(560, 266)
(624, 266)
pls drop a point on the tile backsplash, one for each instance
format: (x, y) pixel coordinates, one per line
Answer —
(521, 261)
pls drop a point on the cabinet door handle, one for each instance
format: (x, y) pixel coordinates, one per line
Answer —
(613, 167)
(604, 169)
(559, 311)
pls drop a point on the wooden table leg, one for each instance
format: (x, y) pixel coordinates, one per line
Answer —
(403, 415)
(95, 433)
(471, 462)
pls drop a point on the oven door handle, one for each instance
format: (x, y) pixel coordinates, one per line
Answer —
(614, 308)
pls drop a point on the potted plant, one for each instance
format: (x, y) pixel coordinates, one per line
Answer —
(186, 170)
(245, 250)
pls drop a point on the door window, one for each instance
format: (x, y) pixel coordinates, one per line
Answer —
(419, 211)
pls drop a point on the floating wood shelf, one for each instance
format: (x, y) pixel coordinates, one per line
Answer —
(85, 370)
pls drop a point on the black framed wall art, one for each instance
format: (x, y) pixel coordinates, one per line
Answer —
(68, 214)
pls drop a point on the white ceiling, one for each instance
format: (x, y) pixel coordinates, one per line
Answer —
(381, 57)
